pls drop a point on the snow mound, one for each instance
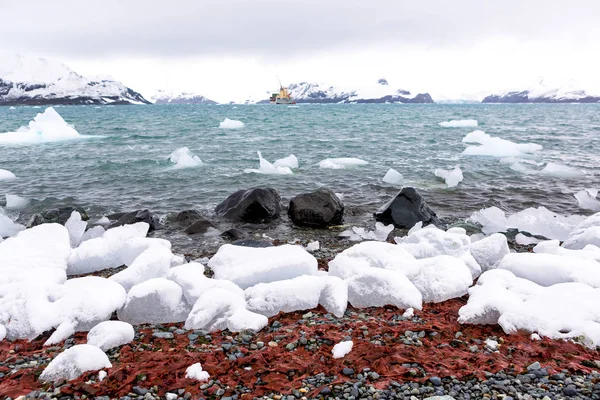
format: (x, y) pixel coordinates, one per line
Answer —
(109, 334)
(442, 278)
(588, 199)
(43, 246)
(489, 251)
(459, 123)
(15, 202)
(301, 293)
(184, 158)
(8, 227)
(341, 163)
(231, 124)
(155, 301)
(154, 262)
(393, 177)
(73, 362)
(195, 371)
(561, 171)
(585, 233)
(380, 233)
(48, 126)
(379, 287)
(247, 266)
(6, 174)
(290, 161)
(451, 177)
(561, 311)
(496, 147)
(192, 280)
(266, 167)
(341, 349)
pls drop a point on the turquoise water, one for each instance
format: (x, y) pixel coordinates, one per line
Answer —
(124, 165)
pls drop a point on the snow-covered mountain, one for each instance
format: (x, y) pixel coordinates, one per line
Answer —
(37, 81)
(172, 97)
(544, 93)
(378, 92)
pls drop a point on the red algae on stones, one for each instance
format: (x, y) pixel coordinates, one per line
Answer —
(379, 344)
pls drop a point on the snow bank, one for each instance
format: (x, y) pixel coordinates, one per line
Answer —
(266, 167)
(45, 127)
(15, 202)
(588, 199)
(195, 371)
(247, 266)
(6, 174)
(155, 301)
(341, 163)
(496, 147)
(585, 233)
(489, 251)
(459, 123)
(184, 158)
(393, 177)
(154, 262)
(192, 280)
(73, 362)
(379, 287)
(341, 349)
(561, 171)
(8, 227)
(451, 177)
(109, 334)
(231, 124)
(290, 161)
(301, 293)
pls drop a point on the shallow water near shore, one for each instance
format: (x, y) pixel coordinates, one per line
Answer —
(124, 163)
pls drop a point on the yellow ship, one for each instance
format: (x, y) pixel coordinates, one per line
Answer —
(281, 97)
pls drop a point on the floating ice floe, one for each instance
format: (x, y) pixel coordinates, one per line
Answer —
(45, 127)
(561, 171)
(341, 349)
(341, 163)
(73, 362)
(495, 146)
(266, 167)
(588, 199)
(536, 221)
(290, 161)
(195, 371)
(247, 266)
(6, 174)
(459, 123)
(451, 177)
(393, 177)
(231, 124)
(184, 158)
(109, 334)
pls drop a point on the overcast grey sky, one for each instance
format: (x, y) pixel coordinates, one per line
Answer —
(438, 45)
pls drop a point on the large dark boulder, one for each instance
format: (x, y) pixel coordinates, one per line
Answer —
(406, 209)
(56, 215)
(317, 209)
(134, 217)
(187, 216)
(251, 205)
(201, 225)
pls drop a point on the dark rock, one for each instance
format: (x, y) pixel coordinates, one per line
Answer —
(252, 243)
(326, 391)
(56, 215)
(252, 205)
(317, 209)
(347, 371)
(199, 226)
(187, 216)
(570, 390)
(140, 391)
(134, 217)
(233, 234)
(406, 209)
(436, 381)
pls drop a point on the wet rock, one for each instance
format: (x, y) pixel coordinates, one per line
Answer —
(134, 217)
(201, 225)
(187, 217)
(406, 209)
(318, 209)
(252, 205)
(233, 234)
(347, 371)
(55, 215)
(252, 243)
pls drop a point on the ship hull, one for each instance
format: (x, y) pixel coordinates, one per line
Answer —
(284, 101)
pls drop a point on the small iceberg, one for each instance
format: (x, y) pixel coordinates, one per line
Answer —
(46, 127)
(459, 123)
(393, 177)
(341, 163)
(6, 174)
(14, 202)
(266, 167)
(231, 124)
(12, 108)
(588, 199)
(184, 158)
(451, 177)
(290, 161)
(495, 146)
(556, 170)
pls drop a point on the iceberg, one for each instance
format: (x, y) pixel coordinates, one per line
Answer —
(184, 158)
(231, 124)
(393, 177)
(290, 161)
(266, 167)
(6, 174)
(451, 177)
(48, 126)
(495, 146)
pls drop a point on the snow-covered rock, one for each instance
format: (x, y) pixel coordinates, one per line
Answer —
(73, 362)
(37, 81)
(109, 334)
(442, 278)
(489, 251)
(378, 287)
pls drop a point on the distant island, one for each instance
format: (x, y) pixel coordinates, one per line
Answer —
(170, 97)
(543, 93)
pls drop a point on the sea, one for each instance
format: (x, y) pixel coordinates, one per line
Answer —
(120, 160)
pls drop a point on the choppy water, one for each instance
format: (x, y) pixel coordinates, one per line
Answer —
(126, 166)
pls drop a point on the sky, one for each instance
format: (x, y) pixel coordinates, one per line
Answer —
(235, 49)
